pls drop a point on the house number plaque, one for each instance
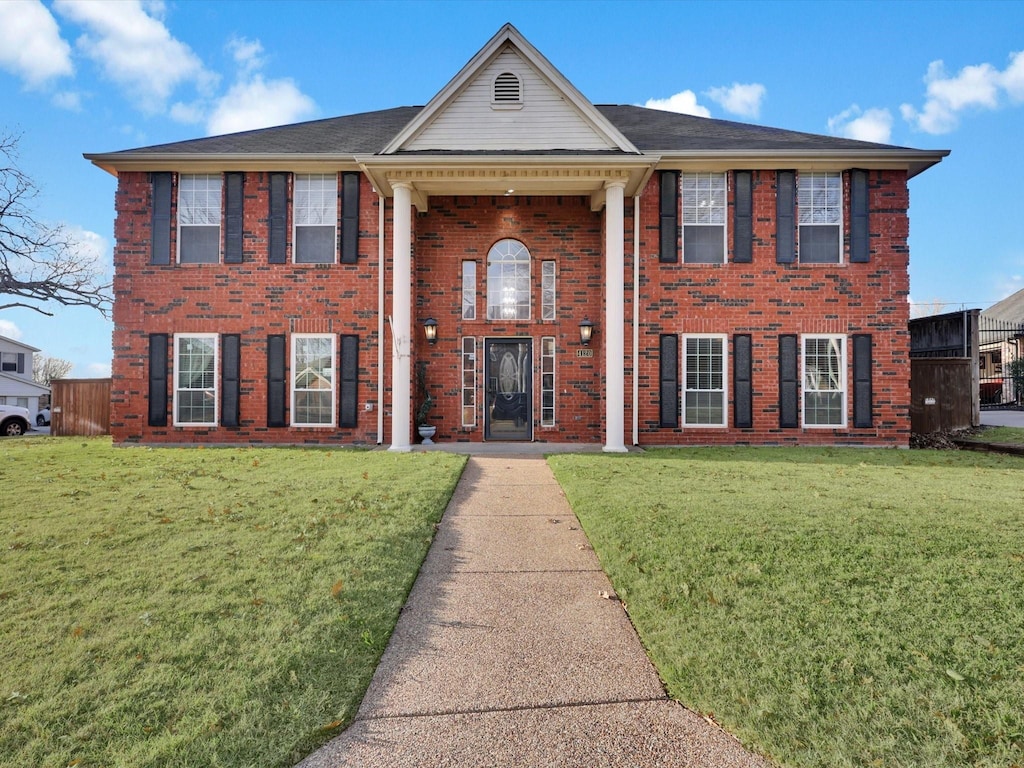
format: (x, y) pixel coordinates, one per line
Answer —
(584, 353)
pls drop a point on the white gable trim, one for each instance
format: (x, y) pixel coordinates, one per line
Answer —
(510, 35)
(4, 341)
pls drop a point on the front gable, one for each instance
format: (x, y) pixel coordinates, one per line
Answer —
(509, 98)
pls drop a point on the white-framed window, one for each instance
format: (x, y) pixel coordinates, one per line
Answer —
(195, 380)
(704, 205)
(704, 380)
(547, 381)
(468, 381)
(469, 290)
(508, 281)
(199, 218)
(824, 381)
(819, 202)
(315, 218)
(547, 290)
(313, 379)
(9, 362)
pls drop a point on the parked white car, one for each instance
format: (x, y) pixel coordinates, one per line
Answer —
(43, 418)
(14, 421)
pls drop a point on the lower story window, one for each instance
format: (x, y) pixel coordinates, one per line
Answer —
(824, 379)
(704, 381)
(313, 380)
(195, 379)
(547, 381)
(469, 381)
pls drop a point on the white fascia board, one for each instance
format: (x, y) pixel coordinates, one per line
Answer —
(912, 161)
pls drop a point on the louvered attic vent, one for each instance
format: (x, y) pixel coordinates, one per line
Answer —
(507, 89)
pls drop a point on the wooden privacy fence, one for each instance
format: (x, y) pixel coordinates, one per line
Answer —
(80, 407)
(941, 394)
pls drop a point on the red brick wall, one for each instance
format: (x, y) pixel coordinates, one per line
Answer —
(252, 299)
(766, 299)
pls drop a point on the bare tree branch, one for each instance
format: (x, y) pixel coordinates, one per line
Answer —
(41, 264)
(46, 369)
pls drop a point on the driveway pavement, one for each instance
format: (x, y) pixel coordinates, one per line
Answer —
(1002, 418)
(512, 650)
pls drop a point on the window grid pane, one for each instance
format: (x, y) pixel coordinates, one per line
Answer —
(820, 216)
(195, 390)
(704, 200)
(547, 290)
(469, 379)
(508, 281)
(312, 380)
(315, 211)
(199, 218)
(469, 290)
(547, 381)
(704, 381)
(824, 381)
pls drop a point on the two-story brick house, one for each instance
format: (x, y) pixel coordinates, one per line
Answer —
(742, 284)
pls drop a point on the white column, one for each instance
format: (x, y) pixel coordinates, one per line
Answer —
(614, 314)
(401, 320)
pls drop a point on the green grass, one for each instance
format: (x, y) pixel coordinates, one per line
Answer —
(192, 607)
(830, 607)
(1004, 435)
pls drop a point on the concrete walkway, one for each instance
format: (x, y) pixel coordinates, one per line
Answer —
(513, 651)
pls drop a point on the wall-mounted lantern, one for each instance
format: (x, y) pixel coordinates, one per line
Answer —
(586, 331)
(430, 329)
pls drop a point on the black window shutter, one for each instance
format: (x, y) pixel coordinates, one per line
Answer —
(743, 218)
(21, 363)
(233, 196)
(668, 397)
(278, 218)
(349, 218)
(668, 252)
(862, 400)
(742, 387)
(160, 237)
(230, 371)
(789, 393)
(860, 248)
(277, 391)
(785, 223)
(349, 381)
(158, 379)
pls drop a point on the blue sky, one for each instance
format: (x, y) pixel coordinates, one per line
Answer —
(97, 76)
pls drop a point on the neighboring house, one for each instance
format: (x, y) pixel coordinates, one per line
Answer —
(1001, 333)
(745, 284)
(16, 384)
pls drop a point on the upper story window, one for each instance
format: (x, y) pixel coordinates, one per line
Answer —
(704, 213)
(508, 281)
(508, 91)
(9, 362)
(199, 218)
(316, 218)
(820, 209)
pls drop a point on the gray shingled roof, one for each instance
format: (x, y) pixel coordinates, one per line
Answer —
(1010, 309)
(650, 130)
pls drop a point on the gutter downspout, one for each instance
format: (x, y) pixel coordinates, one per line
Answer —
(380, 319)
(636, 317)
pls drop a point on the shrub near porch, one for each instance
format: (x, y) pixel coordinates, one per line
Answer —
(830, 607)
(196, 607)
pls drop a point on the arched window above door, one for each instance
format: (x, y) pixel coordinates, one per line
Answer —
(508, 281)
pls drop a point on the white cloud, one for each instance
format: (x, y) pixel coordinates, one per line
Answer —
(978, 87)
(98, 370)
(30, 43)
(247, 54)
(684, 102)
(258, 103)
(868, 125)
(136, 50)
(10, 330)
(739, 99)
(69, 100)
(91, 247)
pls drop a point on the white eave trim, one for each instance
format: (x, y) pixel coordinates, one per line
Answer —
(914, 161)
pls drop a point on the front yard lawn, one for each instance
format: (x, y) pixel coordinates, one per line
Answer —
(830, 607)
(189, 607)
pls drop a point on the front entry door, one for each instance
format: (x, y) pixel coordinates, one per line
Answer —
(509, 375)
